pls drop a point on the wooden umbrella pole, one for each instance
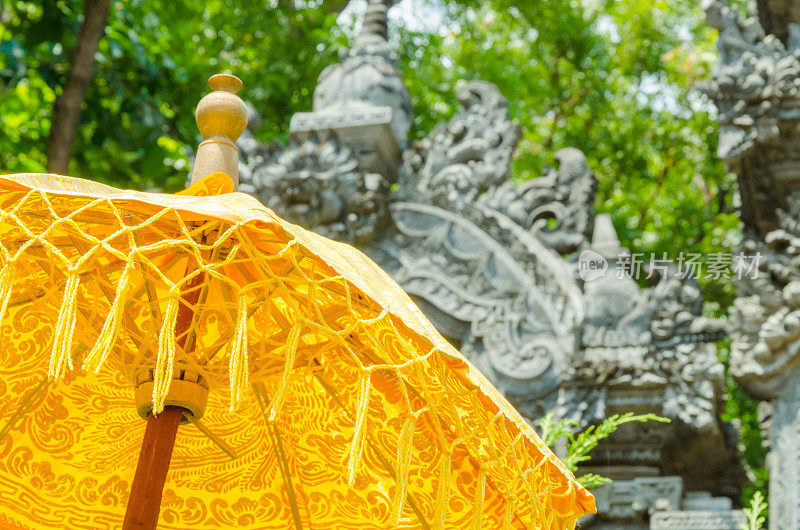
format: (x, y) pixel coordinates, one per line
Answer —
(221, 117)
(144, 501)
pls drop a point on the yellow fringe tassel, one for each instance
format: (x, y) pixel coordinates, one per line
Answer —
(162, 375)
(359, 430)
(7, 276)
(60, 358)
(443, 495)
(509, 514)
(105, 341)
(238, 367)
(288, 366)
(405, 444)
(480, 492)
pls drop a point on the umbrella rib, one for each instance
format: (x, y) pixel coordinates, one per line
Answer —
(152, 297)
(38, 261)
(25, 406)
(108, 292)
(211, 436)
(275, 440)
(216, 347)
(204, 287)
(136, 295)
(155, 311)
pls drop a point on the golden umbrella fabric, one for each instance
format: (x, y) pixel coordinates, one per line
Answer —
(343, 406)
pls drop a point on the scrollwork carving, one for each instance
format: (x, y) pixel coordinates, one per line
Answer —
(557, 207)
(466, 156)
(766, 316)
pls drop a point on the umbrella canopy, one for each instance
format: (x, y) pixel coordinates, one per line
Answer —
(331, 401)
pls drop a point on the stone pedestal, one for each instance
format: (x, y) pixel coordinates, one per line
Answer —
(660, 503)
(365, 129)
(765, 359)
(698, 520)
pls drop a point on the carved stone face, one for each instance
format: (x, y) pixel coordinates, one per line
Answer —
(320, 187)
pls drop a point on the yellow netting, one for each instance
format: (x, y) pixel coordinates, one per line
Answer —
(345, 407)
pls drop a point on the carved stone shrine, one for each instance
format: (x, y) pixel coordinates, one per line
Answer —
(494, 265)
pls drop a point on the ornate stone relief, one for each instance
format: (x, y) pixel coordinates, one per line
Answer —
(558, 207)
(649, 339)
(465, 157)
(755, 83)
(638, 498)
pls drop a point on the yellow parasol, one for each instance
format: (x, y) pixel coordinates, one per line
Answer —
(344, 407)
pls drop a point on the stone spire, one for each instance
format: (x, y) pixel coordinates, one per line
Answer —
(362, 100)
(376, 21)
(373, 37)
(604, 238)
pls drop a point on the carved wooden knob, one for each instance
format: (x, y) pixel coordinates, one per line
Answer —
(222, 114)
(221, 117)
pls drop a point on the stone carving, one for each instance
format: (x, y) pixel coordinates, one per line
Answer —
(564, 195)
(661, 500)
(468, 155)
(766, 321)
(765, 354)
(755, 84)
(493, 264)
(320, 186)
(757, 89)
(368, 75)
(653, 341)
(784, 457)
(638, 498)
(514, 325)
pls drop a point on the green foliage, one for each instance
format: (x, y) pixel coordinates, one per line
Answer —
(742, 411)
(755, 512)
(580, 445)
(151, 69)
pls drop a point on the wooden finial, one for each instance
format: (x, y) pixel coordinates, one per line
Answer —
(221, 117)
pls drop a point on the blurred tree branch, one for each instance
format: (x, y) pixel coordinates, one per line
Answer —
(336, 6)
(68, 105)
